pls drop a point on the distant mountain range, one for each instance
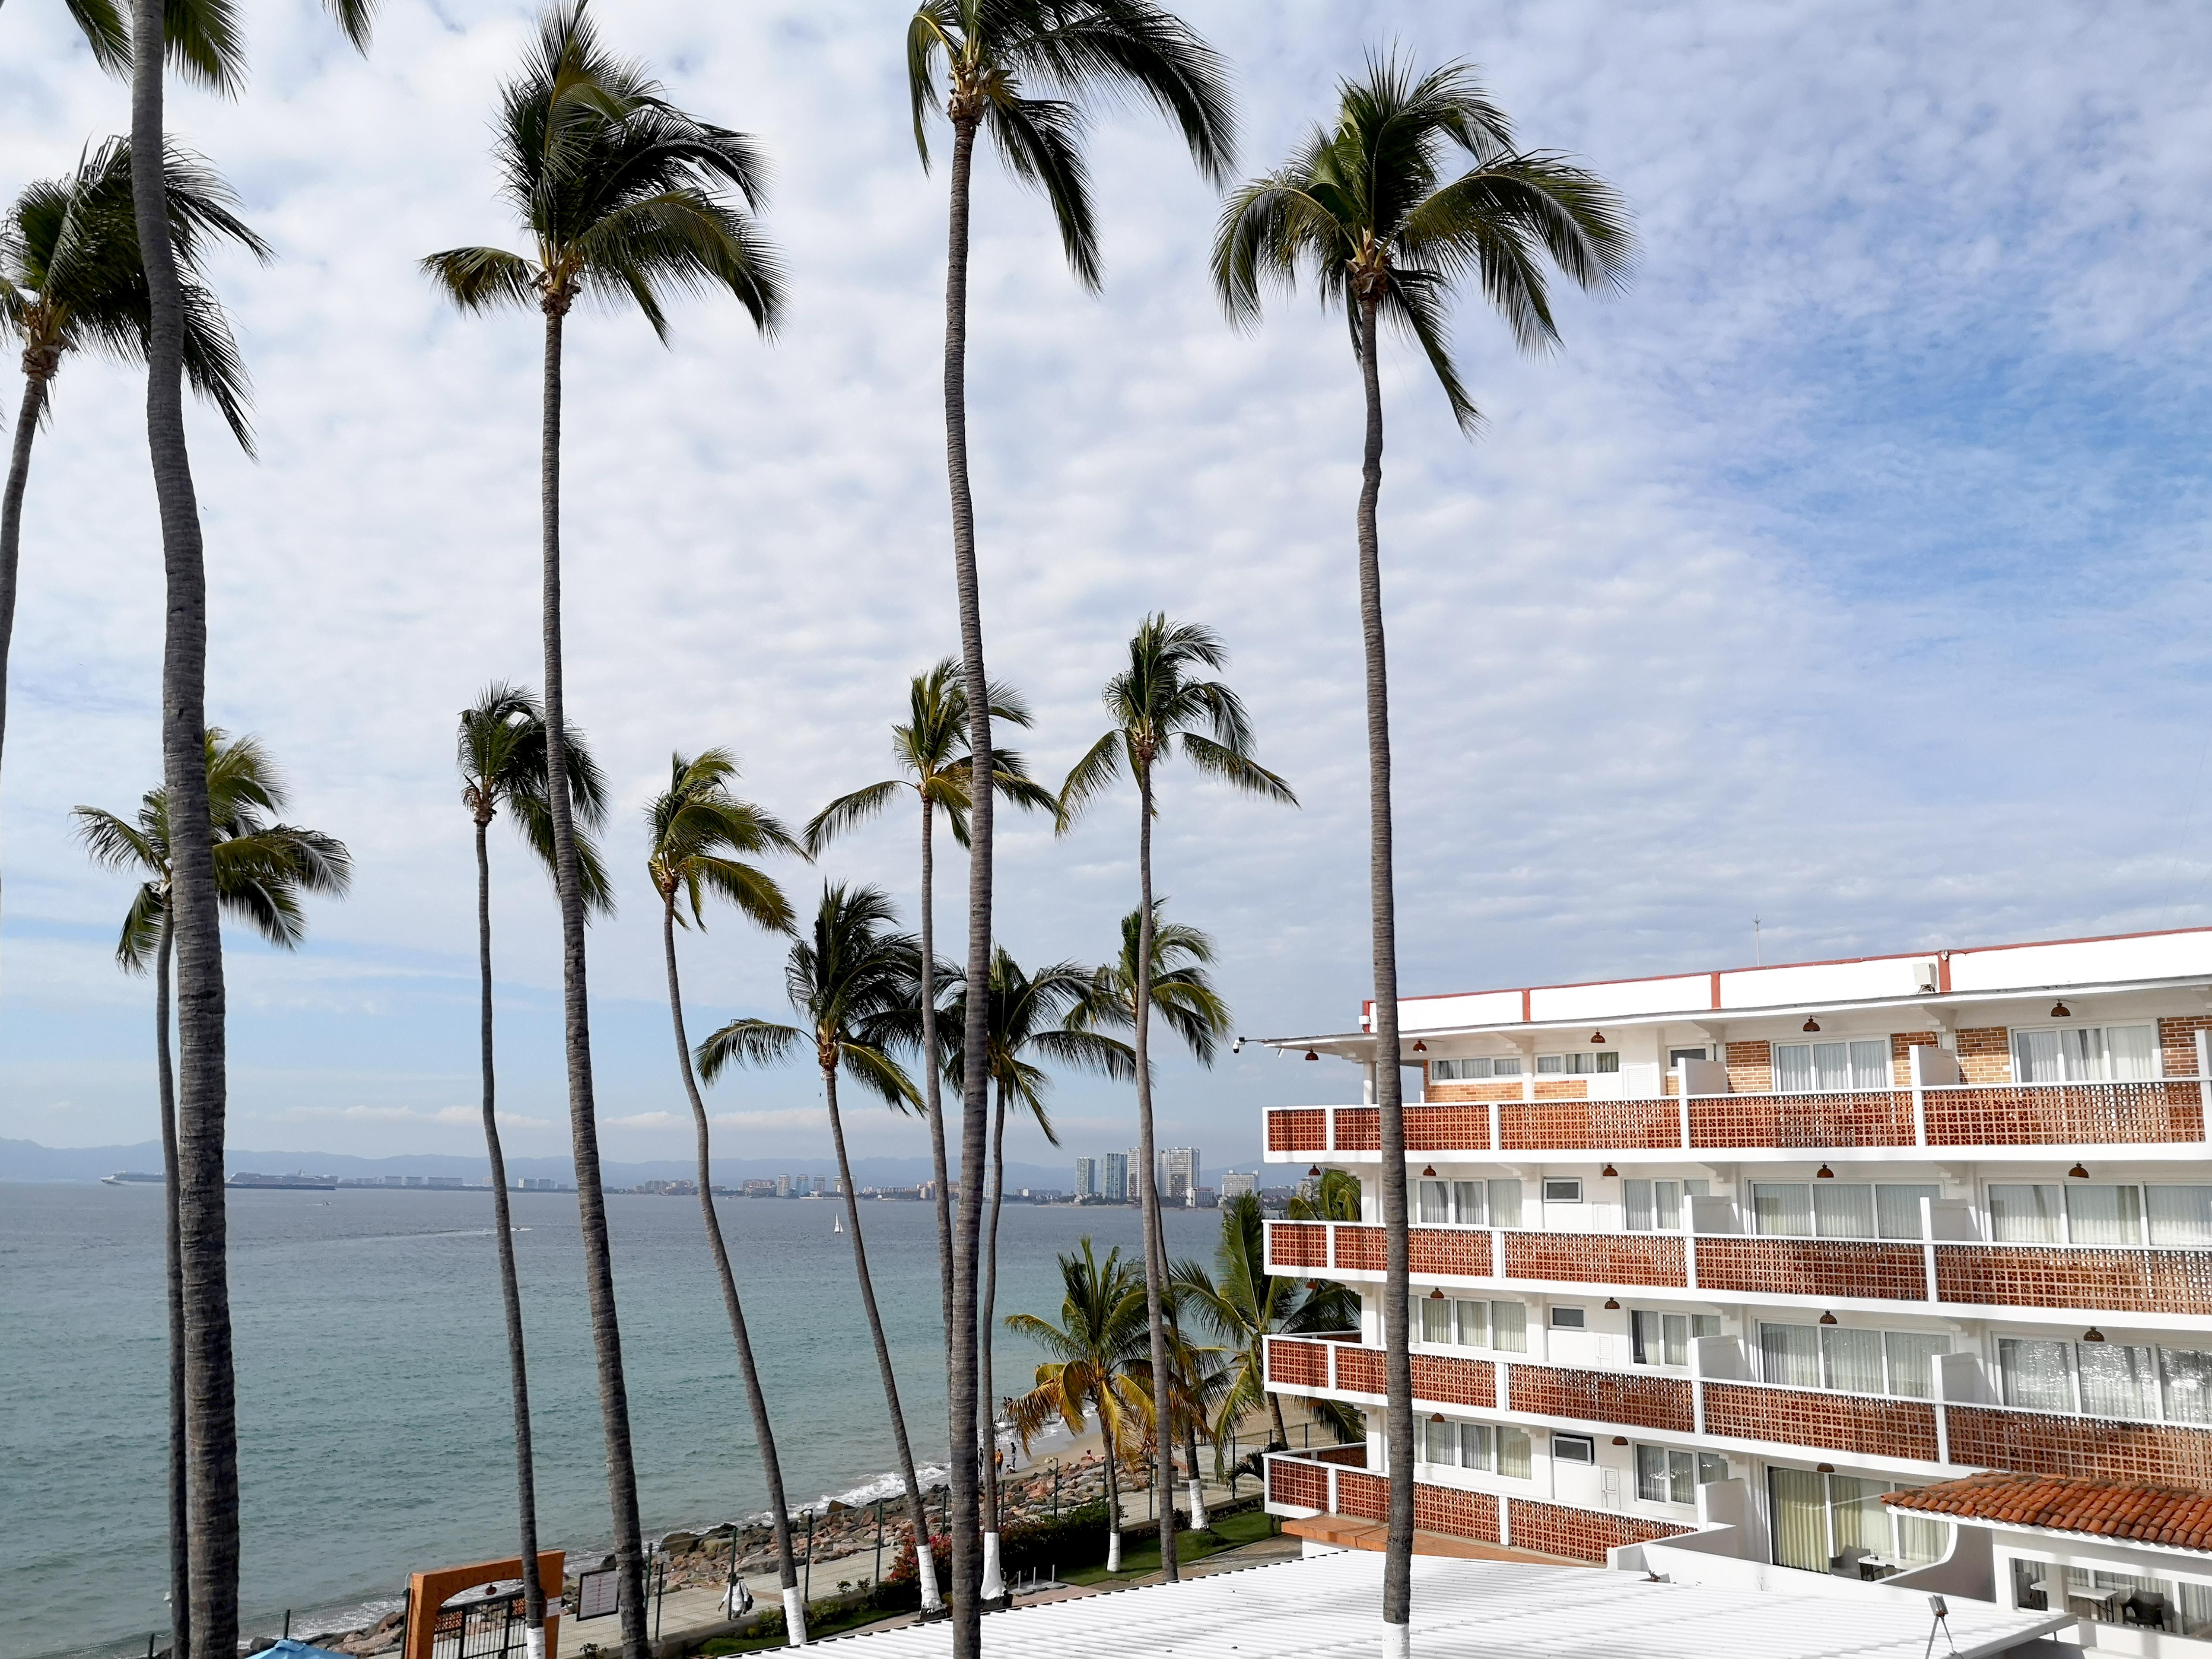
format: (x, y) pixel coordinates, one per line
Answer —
(27, 1161)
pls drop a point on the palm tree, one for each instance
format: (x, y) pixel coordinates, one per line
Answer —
(697, 827)
(71, 278)
(1200, 1375)
(1099, 1367)
(1156, 703)
(995, 57)
(261, 871)
(1028, 1014)
(1335, 1198)
(853, 981)
(501, 758)
(932, 752)
(201, 37)
(1245, 1304)
(624, 196)
(1368, 209)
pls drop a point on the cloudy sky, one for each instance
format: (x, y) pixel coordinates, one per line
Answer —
(1844, 572)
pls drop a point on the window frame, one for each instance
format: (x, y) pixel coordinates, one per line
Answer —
(2065, 1213)
(1588, 1443)
(1571, 1197)
(2160, 1376)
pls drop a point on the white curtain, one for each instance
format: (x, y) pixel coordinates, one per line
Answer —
(1437, 1442)
(2104, 1214)
(1513, 1461)
(1793, 1066)
(1505, 1203)
(1436, 1320)
(2034, 1374)
(1832, 1065)
(1798, 1500)
(1432, 1204)
(1467, 1203)
(2024, 1215)
(1852, 1359)
(1508, 1327)
(2187, 1376)
(1644, 1338)
(1861, 1519)
(1912, 1362)
(2035, 1057)
(1843, 1210)
(1474, 1446)
(1920, 1538)
(1870, 1063)
(1782, 1209)
(1790, 1354)
(1635, 1205)
(1474, 1324)
(1897, 1208)
(2132, 1051)
(2117, 1380)
(2180, 1215)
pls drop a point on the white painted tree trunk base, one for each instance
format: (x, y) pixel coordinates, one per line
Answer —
(795, 1616)
(995, 1582)
(925, 1563)
(1198, 1506)
(1397, 1642)
(1114, 1550)
(533, 1641)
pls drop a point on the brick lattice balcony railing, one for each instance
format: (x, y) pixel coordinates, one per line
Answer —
(2037, 1443)
(1460, 1513)
(1360, 1370)
(1614, 1125)
(1297, 1485)
(1298, 1129)
(1810, 1267)
(1363, 1495)
(1451, 1381)
(1297, 1362)
(1359, 1129)
(2065, 1113)
(1447, 1129)
(1297, 1243)
(1597, 1258)
(1580, 1535)
(1874, 1117)
(2061, 1276)
(1450, 1251)
(1615, 1397)
(1833, 1422)
(1361, 1249)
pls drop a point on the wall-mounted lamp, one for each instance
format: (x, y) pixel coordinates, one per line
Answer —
(2093, 1334)
(1420, 1047)
(1613, 1304)
(2060, 1011)
(1810, 1025)
(1311, 1054)
(1314, 1174)
(1597, 1036)
(1436, 1296)
(2079, 1172)
(1620, 1440)
(1824, 1173)
(1428, 1171)
(1824, 1468)
(1609, 1172)
(1436, 1417)
(1827, 1318)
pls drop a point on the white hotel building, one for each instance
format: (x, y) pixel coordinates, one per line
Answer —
(1722, 1273)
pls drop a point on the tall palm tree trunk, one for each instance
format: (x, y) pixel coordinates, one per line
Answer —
(795, 1602)
(210, 1387)
(1155, 1232)
(510, 1283)
(180, 1555)
(987, 1416)
(11, 526)
(1112, 1495)
(1398, 1369)
(933, 1094)
(583, 1126)
(925, 1562)
(975, 1101)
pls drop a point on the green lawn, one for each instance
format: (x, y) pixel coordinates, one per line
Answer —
(1138, 1560)
(818, 1625)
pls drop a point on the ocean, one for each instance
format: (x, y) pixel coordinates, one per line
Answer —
(374, 1416)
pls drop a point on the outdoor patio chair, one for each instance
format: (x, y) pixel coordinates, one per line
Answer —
(2143, 1607)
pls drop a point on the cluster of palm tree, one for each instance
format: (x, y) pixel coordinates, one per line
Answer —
(1417, 186)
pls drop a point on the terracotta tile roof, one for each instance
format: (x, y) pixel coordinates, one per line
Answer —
(2172, 1517)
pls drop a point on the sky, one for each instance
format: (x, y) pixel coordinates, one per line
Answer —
(1839, 573)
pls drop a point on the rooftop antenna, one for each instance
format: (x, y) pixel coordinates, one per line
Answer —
(1757, 960)
(1941, 1621)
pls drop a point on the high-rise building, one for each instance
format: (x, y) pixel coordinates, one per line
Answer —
(1086, 1177)
(1179, 1176)
(1830, 1264)
(1115, 1189)
(1234, 1185)
(1136, 1157)
(783, 1188)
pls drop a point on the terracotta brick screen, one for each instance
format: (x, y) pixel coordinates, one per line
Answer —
(2177, 1042)
(2053, 1276)
(1454, 1382)
(1985, 1054)
(1301, 1364)
(1350, 1457)
(2036, 1443)
(1647, 1402)
(1448, 1128)
(1359, 1129)
(1871, 1118)
(1598, 1125)
(1445, 1251)
(1297, 1244)
(1810, 1267)
(1597, 1258)
(1750, 1068)
(1299, 1485)
(1365, 1497)
(1359, 1250)
(1460, 1513)
(1833, 1422)
(2062, 1114)
(1359, 1371)
(1304, 1129)
(1578, 1535)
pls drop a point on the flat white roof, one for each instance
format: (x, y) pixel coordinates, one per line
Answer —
(1327, 1605)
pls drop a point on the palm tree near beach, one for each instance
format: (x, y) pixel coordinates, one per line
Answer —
(1334, 1197)
(701, 838)
(851, 980)
(500, 755)
(624, 199)
(71, 281)
(931, 749)
(1160, 708)
(263, 869)
(1027, 72)
(1029, 1020)
(1098, 1368)
(1370, 211)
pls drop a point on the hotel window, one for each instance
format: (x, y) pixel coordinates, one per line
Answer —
(1663, 1338)
(1850, 1360)
(1573, 1448)
(1437, 1202)
(1818, 1518)
(1563, 1190)
(2086, 1054)
(1475, 1446)
(1504, 1198)
(1467, 1324)
(1582, 1062)
(1801, 1066)
(2125, 1382)
(1460, 1071)
(1650, 1207)
(1664, 1475)
(1570, 1319)
(2089, 1212)
(1838, 1209)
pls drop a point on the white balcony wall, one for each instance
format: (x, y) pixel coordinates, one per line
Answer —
(2091, 962)
(1820, 981)
(1933, 1067)
(1451, 1013)
(1619, 998)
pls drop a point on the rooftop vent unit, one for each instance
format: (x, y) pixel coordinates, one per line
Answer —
(1924, 976)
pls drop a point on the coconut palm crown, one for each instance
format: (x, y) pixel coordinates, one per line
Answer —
(500, 754)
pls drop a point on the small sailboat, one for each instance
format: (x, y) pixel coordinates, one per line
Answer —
(837, 1225)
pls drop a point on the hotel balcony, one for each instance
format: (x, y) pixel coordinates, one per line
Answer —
(1963, 1119)
(1970, 1279)
(1730, 1413)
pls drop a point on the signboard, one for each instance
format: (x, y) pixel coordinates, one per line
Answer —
(597, 1594)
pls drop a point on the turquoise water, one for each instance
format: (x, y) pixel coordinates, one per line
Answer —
(372, 1379)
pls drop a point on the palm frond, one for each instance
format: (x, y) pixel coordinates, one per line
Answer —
(1041, 141)
(1090, 777)
(847, 812)
(745, 1043)
(484, 278)
(1237, 769)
